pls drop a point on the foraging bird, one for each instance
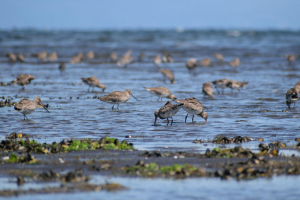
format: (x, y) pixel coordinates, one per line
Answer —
(218, 57)
(26, 106)
(161, 92)
(205, 62)
(191, 64)
(117, 97)
(167, 111)
(168, 75)
(167, 58)
(52, 56)
(236, 85)
(41, 56)
(12, 57)
(23, 79)
(20, 57)
(297, 87)
(222, 83)
(77, 59)
(126, 59)
(93, 82)
(207, 89)
(90, 55)
(113, 57)
(291, 97)
(234, 63)
(290, 58)
(194, 107)
(157, 60)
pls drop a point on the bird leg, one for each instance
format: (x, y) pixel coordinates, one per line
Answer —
(158, 98)
(193, 118)
(25, 117)
(89, 88)
(118, 106)
(186, 117)
(168, 121)
(93, 89)
(171, 121)
(217, 90)
(113, 107)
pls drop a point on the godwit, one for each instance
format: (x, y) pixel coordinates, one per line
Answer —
(90, 55)
(168, 75)
(41, 56)
(117, 97)
(297, 87)
(167, 58)
(161, 92)
(194, 107)
(290, 58)
(93, 82)
(167, 111)
(12, 57)
(113, 57)
(76, 59)
(236, 85)
(126, 59)
(234, 63)
(220, 84)
(207, 89)
(191, 64)
(52, 56)
(218, 57)
(26, 106)
(291, 97)
(20, 57)
(157, 60)
(23, 79)
(205, 62)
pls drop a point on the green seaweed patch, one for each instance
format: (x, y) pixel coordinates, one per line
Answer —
(13, 158)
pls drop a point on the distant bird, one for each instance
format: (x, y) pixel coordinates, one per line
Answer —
(291, 97)
(194, 107)
(236, 85)
(161, 92)
(90, 55)
(205, 62)
(126, 59)
(290, 58)
(23, 79)
(157, 60)
(117, 97)
(20, 57)
(222, 83)
(234, 63)
(52, 56)
(297, 87)
(62, 67)
(26, 106)
(12, 57)
(41, 56)
(167, 111)
(191, 64)
(167, 58)
(141, 57)
(218, 57)
(168, 75)
(113, 57)
(93, 82)
(77, 59)
(207, 89)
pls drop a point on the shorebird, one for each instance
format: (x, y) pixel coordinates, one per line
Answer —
(297, 87)
(76, 59)
(236, 85)
(218, 57)
(93, 82)
(220, 84)
(168, 75)
(52, 56)
(290, 58)
(205, 62)
(117, 97)
(113, 57)
(62, 67)
(126, 59)
(26, 106)
(90, 55)
(291, 97)
(167, 58)
(207, 89)
(20, 57)
(41, 56)
(157, 60)
(12, 57)
(234, 63)
(22, 80)
(167, 111)
(161, 92)
(191, 64)
(194, 107)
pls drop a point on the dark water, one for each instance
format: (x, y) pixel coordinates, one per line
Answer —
(255, 112)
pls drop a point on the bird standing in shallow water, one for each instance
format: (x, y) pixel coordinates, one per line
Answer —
(290, 58)
(236, 62)
(23, 79)
(26, 106)
(218, 57)
(236, 85)
(207, 89)
(93, 82)
(126, 59)
(291, 97)
(157, 60)
(191, 64)
(161, 92)
(167, 111)
(117, 97)
(205, 62)
(194, 107)
(297, 87)
(12, 57)
(222, 83)
(168, 75)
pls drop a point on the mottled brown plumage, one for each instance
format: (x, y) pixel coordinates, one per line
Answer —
(167, 58)
(218, 57)
(90, 55)
(191, 64)
(234, 63)
(297, 87)
(77, 59)
(23, 79)
(161, 92)
(26, 106)
(12, 57)
(93, 82)
(167, 111)
(52, 56)
(157, 60)
(168, 75)
(117, 97)
(291, 97)
(42, 56)
(207, 89)
(113, 57)
(205, 62)
(222, 83)
(236, 85)
(20, 57)
(194, 107)
(126, 59)
(290, 58)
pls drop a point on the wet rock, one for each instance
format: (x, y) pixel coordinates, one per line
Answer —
(72, 177)
(198, 141)
(279, 145)
(297, 139)
(263, 147)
